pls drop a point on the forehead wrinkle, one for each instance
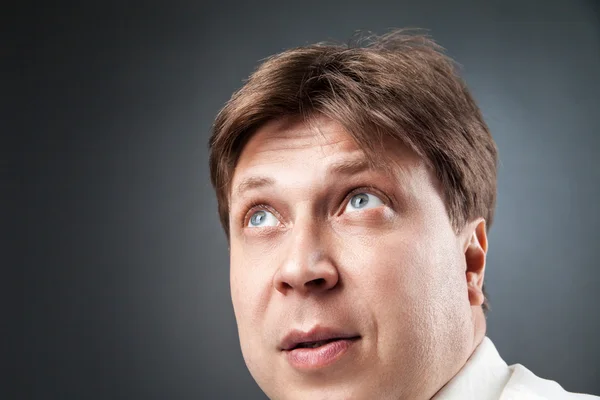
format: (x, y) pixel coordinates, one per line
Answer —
(346, 165)
(287, 141)
(275, 148)
(337, 153)
(296, 133)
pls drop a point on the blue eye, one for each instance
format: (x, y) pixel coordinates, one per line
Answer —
(363, 201)
(262, 218)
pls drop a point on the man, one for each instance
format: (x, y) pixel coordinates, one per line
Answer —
(356, 187)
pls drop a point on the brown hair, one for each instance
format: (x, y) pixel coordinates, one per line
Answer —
(400, 85)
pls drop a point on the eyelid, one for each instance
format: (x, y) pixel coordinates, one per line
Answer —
(256, 206)
(365, 189)
(261, 204)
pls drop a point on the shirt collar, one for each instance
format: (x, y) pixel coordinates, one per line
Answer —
(483, 376)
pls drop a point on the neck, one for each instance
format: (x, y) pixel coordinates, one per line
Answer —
(480, 327)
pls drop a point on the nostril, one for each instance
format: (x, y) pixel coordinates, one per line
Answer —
(316, 282)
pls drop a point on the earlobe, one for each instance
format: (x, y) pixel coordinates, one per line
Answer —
(476, 247)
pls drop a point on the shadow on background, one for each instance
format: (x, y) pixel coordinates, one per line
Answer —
(125, 266)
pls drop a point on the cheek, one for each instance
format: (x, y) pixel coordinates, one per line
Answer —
(247, 280)
(388, 276)
(251, 283)
(406, 278)
(389, 266)
(245, 300)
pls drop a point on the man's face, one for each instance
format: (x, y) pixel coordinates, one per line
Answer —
(347, 282)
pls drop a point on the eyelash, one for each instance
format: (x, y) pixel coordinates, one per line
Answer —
(365, 189)
(257, 205)
(261, 204)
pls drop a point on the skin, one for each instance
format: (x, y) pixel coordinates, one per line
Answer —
(395, 271)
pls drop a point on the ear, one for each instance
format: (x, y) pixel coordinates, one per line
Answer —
(475, 249)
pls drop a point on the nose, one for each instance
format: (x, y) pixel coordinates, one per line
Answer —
(307, 267)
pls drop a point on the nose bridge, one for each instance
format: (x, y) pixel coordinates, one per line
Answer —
(306, 265)
(304, 247)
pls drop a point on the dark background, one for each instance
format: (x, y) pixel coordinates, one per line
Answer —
(125, 289)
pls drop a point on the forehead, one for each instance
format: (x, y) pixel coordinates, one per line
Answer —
(321, 146)
(283, 138)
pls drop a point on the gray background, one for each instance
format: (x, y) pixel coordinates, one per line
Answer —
(125, 289)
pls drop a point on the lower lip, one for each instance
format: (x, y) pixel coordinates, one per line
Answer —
(309, 358)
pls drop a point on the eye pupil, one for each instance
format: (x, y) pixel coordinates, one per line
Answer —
(258, 217)
(360, 200)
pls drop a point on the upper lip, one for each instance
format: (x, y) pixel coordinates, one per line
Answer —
(295, 337)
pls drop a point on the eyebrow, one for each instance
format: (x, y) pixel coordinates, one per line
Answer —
(343, 167)
(349, 166)
(253, 182)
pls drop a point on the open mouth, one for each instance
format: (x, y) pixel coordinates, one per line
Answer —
(312, 345)
(312, 355)
(320, 343)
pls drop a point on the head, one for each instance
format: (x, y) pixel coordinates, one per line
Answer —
(356, 186)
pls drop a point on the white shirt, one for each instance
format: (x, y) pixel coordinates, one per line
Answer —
(486, 376)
